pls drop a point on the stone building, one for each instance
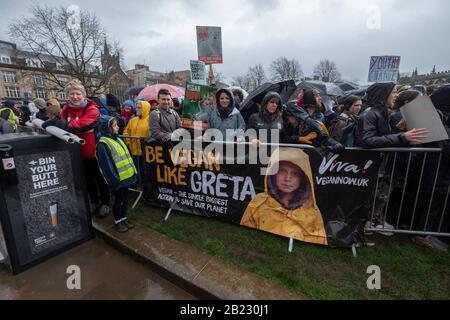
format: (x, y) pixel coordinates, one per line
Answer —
(24, 77)
(433, 78)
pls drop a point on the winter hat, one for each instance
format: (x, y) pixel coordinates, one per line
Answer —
(128, 103)
(53, 102)
(8, 104)
(40, 103)
(112, 100)
(309, 99)
(441, 97)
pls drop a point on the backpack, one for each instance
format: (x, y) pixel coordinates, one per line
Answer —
(349, 134)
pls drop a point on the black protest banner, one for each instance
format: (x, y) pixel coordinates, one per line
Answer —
(309, 195)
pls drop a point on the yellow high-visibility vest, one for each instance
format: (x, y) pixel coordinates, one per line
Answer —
(121, 157)
(12, 118)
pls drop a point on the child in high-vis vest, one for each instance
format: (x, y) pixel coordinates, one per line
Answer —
(116, 166)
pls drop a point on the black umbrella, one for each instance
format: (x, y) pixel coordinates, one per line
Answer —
(133, 91)
(347, 86)
(253, 101)
(325, 88)
(358, 92)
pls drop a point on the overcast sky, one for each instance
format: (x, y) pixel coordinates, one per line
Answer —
(163, 34)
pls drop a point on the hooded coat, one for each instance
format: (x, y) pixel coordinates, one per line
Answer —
(301, 219)
(262, 120)
(233, 120)
(309, 101)
(306, 126)
(441, 100)
(8, 111)
(373, 129)
(105, 160)
(138, 127)
(126, 116)
(82, 123)
(5, 127)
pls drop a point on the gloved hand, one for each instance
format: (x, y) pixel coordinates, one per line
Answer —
(324, 128)
(336, 147)
(314, 125)
(307, 139)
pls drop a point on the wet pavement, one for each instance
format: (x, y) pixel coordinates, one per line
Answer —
(105, 274)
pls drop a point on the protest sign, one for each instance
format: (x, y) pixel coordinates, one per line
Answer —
(421, 113)
(384, 68)
(209, 44)
(198, 72)
(196, 181)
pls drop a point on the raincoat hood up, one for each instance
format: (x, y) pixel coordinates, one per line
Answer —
(138, 127)
(301, 218)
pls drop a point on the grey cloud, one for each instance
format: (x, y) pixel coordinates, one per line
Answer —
(163, 32)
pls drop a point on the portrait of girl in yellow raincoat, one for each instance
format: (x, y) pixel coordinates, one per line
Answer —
(288, 205)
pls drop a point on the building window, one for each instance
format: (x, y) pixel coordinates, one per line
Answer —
(37, 80)
(34, 63)
(63, 80)
(9, 77)
(62, 96)
(5, 59)
(28, 95)
(12, 92)
(41, 94)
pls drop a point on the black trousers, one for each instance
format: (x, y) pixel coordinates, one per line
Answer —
(120, 203)
(96, 183)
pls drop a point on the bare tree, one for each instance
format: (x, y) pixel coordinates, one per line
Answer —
(241, 81)
(327, 71)
(256, 76)
(67, 42)
(215, 76)
(285, 69)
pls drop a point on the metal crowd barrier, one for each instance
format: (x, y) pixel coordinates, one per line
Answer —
(402, 190)
(399, 198)
(407, 198)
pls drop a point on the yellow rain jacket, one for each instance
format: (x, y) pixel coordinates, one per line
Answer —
(138, 127)
(265, 212)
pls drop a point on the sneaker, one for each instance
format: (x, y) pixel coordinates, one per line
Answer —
(438, 244)
(367, 242)
(385, 226)
(121, 227)
(104, 211)
(366, 226)
(129, 224)
(429, 243)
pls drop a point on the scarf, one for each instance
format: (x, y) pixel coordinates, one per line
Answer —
(225, 112)
(78, 106)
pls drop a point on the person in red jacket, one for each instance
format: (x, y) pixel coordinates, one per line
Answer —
(81, 115)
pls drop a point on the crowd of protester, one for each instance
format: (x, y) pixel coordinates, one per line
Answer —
(371, 121)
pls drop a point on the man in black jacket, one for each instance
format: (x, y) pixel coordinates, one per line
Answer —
(373, 130)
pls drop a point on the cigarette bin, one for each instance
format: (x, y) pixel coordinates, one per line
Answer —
(43, 200)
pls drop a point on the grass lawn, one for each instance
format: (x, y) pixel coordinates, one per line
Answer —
(407, 271)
